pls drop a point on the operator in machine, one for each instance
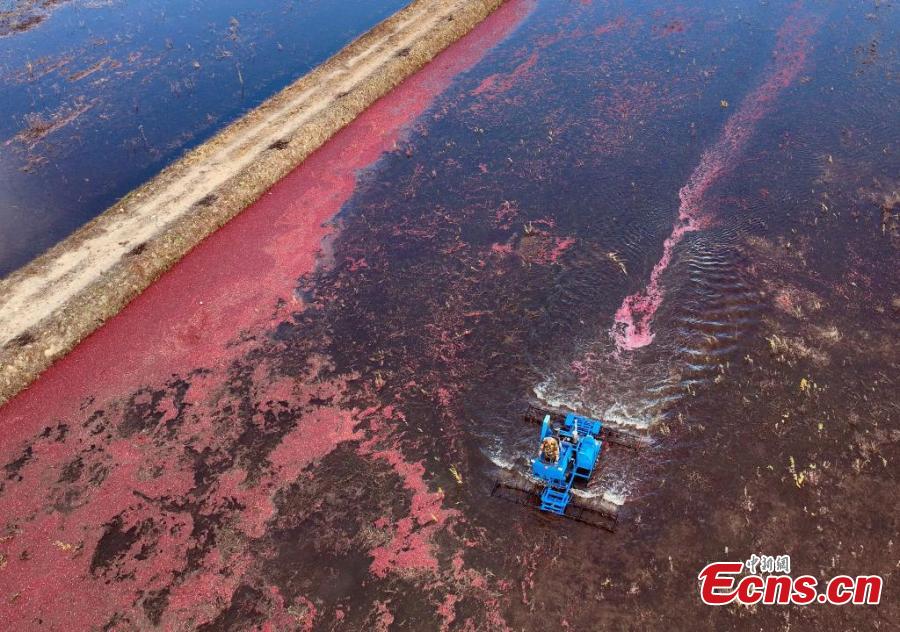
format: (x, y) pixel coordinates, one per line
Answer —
(550, 449)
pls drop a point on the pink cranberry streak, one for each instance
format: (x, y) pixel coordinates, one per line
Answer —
(631, 329)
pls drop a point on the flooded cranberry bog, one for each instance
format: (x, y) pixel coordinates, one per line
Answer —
(680, 218)
(100, 95)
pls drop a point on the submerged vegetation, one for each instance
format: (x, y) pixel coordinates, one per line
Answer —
(18, 16)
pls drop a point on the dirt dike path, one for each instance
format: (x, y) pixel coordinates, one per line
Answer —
(50, 305)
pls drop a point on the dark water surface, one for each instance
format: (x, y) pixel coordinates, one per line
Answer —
(501, 243)
(735, 167)
(98, 96)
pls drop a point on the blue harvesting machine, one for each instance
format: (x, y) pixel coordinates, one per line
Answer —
(570, 446)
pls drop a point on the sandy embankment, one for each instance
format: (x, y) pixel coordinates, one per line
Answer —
(54, 302)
